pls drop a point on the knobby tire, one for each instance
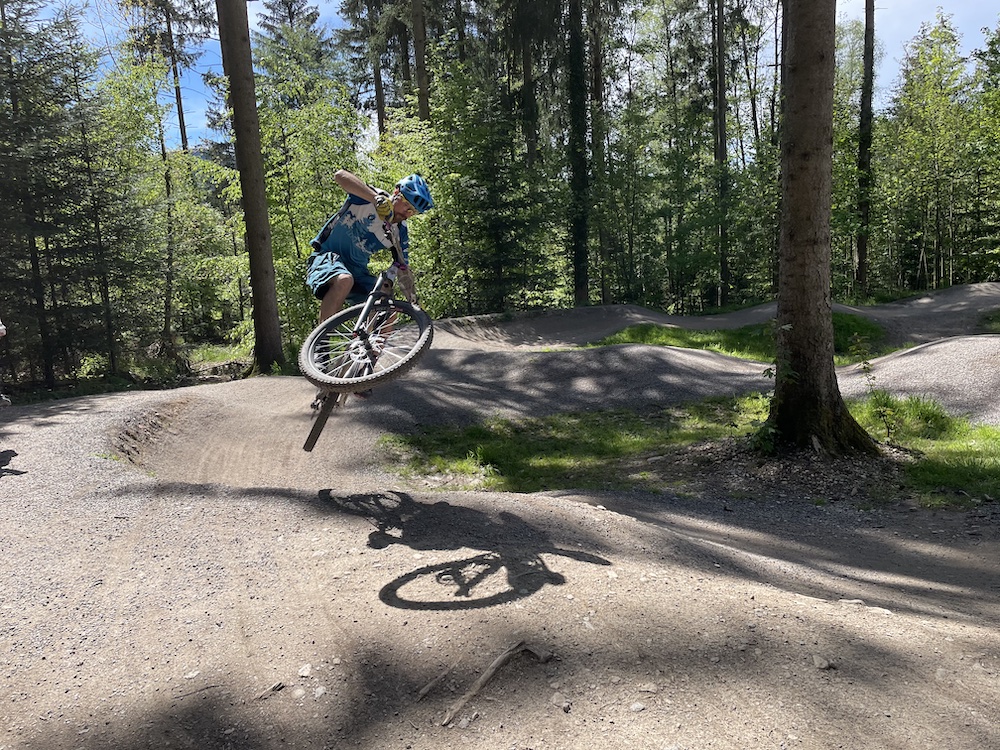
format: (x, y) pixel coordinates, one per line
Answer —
(335, 358)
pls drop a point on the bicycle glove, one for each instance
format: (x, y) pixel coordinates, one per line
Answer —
(383, 207)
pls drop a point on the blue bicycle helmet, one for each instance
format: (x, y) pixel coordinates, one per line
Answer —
(414, 188)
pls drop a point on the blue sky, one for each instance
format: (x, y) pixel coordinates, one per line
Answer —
(896, 23)
(104, 27)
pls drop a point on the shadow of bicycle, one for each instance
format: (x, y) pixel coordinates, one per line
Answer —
(510, 566)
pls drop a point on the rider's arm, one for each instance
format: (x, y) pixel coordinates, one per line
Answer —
(404, 243)
(354, 185)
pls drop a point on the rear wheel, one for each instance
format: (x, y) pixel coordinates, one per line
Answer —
(341, 356)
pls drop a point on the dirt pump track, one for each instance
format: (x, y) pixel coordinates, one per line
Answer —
(178, 573)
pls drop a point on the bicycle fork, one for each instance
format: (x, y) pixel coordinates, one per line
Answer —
(364, 328)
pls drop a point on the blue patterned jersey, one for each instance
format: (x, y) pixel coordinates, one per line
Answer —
(356, 233)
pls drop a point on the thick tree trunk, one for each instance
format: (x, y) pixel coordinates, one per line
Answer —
(807, 409)
(403, 41)
(460, 30)
(167, 332)
(234, 38)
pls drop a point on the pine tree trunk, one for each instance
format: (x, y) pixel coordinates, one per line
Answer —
(419, 58)
(721, 149)
(598, 129)
(578, 180)
(807, 409)
(234, 38)
(529, 102)
(376, 55)
(175, 70)
(460, 30)
(865, 151)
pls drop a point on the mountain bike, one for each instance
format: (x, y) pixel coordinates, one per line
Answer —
(363, 346)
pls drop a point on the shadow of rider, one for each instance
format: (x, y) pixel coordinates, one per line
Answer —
(507, 541)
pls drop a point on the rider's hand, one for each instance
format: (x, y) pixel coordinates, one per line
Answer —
(383, 207)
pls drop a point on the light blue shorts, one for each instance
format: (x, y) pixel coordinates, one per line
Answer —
(323, 267)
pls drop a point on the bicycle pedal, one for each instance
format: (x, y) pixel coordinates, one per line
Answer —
(317, 403)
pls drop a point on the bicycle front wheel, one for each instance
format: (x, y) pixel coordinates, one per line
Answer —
(345, 354)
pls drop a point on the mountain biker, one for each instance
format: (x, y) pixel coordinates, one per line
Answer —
(370, 220)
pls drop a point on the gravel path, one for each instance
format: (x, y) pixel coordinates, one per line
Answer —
(179, 573)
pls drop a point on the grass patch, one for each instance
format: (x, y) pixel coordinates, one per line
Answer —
(952, 464)
(754, 342)
(990, 321)
(215, 354)
(593, 450)
(588, 450)
(955, 462)
(855, 338)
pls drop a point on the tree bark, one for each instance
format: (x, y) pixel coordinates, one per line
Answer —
(167, 332)
(865, 151)
(234, 38)
(807, 409)
(578, 180)
(175, 70)
(598, 130)
(721, 149)
(376, 58)
(460, 30)
(420, 60)
(529, 101)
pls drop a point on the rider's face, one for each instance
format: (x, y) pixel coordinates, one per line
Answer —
(401, 208)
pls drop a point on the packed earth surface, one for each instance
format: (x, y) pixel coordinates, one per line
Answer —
(179, 573)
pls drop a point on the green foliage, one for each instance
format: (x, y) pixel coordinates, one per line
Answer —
(913, 418)
(488, 245)
(309, 129)
(208, 354)
(925, 154)
(856, 335)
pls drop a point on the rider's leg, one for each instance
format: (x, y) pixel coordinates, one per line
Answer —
(336, 295)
